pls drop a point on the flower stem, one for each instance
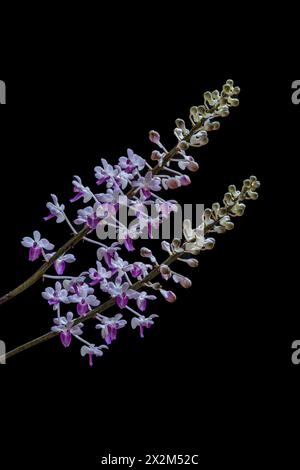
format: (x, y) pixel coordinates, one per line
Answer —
(83, 232)
(102, 308)
(44, 268)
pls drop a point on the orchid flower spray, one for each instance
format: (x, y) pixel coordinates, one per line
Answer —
(124, 275)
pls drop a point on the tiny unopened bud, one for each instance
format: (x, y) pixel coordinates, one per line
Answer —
(168, 295)
(229, 225)
(173, 183)
(185, 282)
(166, 247)
(228, 199)
(253, 195)
(180, 123)
(226, 89)
(207, 96)
(185, 180)
(156, 155)
(193, 166)
(145, 252)
(247, 184)
(215, 95)
(192, 262)
(165, 272)
(194, 114)
(216, 126)
(233, 102)
(183, 145)
(201, 110)
(209, 243)
(154, 137)
(239, 209)
(224, 111)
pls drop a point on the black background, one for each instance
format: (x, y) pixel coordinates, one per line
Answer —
(214, 375)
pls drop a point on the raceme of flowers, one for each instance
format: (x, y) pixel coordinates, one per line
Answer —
(129, 284)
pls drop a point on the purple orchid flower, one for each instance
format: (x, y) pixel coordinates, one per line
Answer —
(142, 322)
(132, 162)
(88, 216)
(109, 326)
(106, 174)
(127, 237)
(36, 245)
(147, 183)
(65, 326)
(84, 299)
(81, 191)
(56, 296)
(128, 243)
(99, 274)
(119, 266)
(72, 285)
(108, 254)
(55, 210)
(142, 299)
(120, 292)
(92, 351)
(139, 269)
(60, 263)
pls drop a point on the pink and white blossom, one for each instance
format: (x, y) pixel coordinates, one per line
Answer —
(81, 192)
(84, 299)
(109, 326)
(99, 274)
(60, 263)
(56, 296)
(143, 322)
(65, 326)
(92, 351)
(56, 210)
(36, 245)
(146, 184)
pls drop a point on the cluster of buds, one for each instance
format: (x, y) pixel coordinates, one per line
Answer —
(114, 281)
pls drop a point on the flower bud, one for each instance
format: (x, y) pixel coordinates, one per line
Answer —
(183, 145)
(233, 102)
(192, 262)
(145, 252)
(173, 183)
(253, 195)
(154, 137)
(168, 295)
(165, 272)
(180, 123)
(166, 247)
(208, 244)
(193, 166)
(194, 114)
(185, 282)
(156, 155)
(185, 180)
